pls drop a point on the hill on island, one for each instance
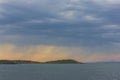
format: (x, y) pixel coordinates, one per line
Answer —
(67, 61)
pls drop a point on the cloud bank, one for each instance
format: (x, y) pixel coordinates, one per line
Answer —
(44, 53)
(35, 53)
(92, 25)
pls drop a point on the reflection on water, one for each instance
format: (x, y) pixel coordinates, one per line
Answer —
(60, 72)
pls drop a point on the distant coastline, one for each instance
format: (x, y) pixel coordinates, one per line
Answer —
(66, 61)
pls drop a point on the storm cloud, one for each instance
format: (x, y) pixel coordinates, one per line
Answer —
(90, 24)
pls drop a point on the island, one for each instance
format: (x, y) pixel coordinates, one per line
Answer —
(66, 61)
(18, 62)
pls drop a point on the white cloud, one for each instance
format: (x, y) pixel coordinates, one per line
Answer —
(111, 27)
(68, 15)
(110, 31)
(2, 1)
(117, 44)
(92, 18)
(75, 1)
(107, 2)
(111, 35)
(113, 1)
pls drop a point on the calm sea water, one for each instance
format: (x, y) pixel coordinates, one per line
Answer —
(60, 72)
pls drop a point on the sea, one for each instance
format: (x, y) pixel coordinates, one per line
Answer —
(60, 71)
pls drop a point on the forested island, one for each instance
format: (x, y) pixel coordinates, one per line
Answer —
(67, 61)
(18, 62)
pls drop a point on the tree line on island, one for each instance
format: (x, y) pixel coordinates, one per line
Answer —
(65, 61)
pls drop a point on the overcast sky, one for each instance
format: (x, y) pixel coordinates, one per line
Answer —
(85, 30)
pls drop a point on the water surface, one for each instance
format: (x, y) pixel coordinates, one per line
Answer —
(60, 72)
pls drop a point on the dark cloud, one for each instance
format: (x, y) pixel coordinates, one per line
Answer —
(59, 22)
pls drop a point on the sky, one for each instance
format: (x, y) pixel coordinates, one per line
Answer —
(43, 30)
